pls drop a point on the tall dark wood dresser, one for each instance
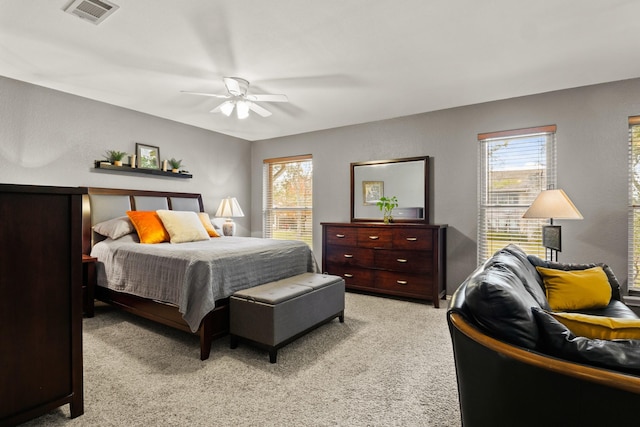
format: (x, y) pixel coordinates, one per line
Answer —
(41, 304)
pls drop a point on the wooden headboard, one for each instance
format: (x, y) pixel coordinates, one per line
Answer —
(101, 204)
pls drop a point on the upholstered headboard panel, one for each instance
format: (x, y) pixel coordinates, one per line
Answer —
(104, 207)
(102, 204)
(150, 203)
(185, 204)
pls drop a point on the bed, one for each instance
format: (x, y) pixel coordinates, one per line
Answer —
(182, 285)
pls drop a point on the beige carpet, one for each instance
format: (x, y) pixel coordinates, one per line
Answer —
(389, 364)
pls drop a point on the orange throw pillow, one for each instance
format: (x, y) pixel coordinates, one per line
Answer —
(149, 226)
(206, 221)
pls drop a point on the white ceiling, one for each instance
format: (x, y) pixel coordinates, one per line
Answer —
(340, 62)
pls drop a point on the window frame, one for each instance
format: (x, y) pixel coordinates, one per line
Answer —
(633, 270)
(267, 194)
(512, 213)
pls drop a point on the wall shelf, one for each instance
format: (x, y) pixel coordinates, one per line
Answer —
(140, 171)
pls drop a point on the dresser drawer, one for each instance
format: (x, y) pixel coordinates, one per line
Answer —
(416, 262)
(349, 255)
(354, 277)
(375, 237)
(345, 236)
(404, 283)
(418, 239)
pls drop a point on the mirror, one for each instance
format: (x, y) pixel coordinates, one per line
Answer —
(406, 179)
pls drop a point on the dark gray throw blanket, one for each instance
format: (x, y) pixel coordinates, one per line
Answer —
(193, 276)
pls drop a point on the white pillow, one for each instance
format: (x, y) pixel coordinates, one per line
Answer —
(115, 228)
(183, 226)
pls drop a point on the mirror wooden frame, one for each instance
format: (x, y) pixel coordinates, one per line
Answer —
(424, 220)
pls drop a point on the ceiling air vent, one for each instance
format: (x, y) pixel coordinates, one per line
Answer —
(94, 11)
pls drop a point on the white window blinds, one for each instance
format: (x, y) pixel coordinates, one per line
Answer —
(514, 167)
(634, 203)
(288, 198)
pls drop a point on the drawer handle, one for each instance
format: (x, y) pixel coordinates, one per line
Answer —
(340, 236)
(401, 260)
(412, 239)
(348, 255)
(374, 237)
(401, 282)
(348, 276)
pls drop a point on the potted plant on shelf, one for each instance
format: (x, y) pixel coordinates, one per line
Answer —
(386, 206)
(115, 157)
(175, 165)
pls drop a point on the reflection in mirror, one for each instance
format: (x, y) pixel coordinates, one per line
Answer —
(406, 179)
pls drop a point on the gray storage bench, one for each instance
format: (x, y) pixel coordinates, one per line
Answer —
(276, 313)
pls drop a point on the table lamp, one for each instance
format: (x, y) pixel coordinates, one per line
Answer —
(229, 208)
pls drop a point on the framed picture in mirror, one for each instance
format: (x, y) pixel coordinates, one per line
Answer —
(372, 191)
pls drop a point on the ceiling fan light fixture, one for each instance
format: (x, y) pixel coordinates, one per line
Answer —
(238, 99)
(242, 109)
(227, 108)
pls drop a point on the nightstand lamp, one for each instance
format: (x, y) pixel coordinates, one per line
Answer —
(229, 208)
(552, 204)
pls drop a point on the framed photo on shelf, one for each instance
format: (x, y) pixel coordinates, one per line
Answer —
(372, 191)
(148, 156)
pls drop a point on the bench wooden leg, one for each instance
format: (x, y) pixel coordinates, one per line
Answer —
(233, 341)
(273, 355)
(341, 317)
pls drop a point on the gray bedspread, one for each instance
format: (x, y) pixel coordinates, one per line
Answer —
(193, 276)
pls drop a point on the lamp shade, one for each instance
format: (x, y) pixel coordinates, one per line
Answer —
(242, 109)
(229, 207)
(227, 108)
(553, 204)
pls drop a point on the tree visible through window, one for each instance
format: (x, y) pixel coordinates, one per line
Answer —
(634, 203)
(288, 198)
(514, 167)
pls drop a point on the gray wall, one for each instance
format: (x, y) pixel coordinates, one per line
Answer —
(52, 138)
(592, 167)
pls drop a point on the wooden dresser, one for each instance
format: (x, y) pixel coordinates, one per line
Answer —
(400, 259)
(41, 304)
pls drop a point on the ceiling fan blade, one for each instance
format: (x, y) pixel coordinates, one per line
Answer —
(258, 109)
(206, 94)
(235, 85)
(268, 98)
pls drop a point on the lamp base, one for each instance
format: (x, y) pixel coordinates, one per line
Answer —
(552, 241)
(229, 228)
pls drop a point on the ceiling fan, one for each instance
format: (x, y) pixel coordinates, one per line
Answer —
(238, 99)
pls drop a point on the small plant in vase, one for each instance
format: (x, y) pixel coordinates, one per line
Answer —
(175, 164)
(115, 157)
(386, 205)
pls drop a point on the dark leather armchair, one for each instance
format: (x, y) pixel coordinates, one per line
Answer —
(500, 383)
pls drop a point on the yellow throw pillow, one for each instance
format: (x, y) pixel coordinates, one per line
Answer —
(183, 226)
(148, 226)
(576, 289)
(600, 327)
(206, 221)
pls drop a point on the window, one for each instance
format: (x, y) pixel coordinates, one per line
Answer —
(634, 203)
(514, 167)
(287, 198)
